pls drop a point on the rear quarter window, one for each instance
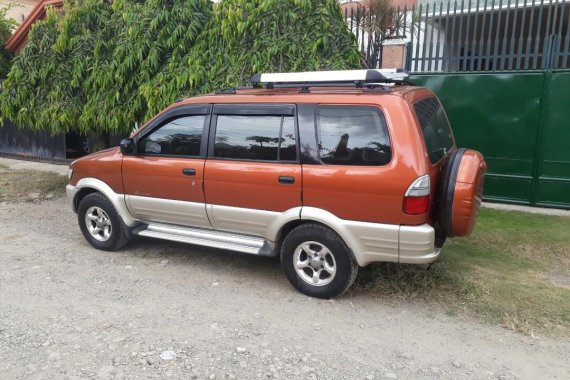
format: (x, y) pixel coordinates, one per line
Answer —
(435, 127)
(353, 135)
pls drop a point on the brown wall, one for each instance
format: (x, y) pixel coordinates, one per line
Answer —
(393, 56)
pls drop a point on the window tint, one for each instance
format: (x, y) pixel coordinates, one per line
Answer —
(180, 137)
(255, 137)
(288, 148)
(435, 127)
(353, 135)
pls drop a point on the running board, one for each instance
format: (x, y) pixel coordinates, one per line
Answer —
(210, 238)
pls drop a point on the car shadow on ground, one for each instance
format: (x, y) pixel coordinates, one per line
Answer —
(268, 269)
(203, 257)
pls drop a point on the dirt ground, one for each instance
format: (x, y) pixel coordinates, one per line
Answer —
(159, 309)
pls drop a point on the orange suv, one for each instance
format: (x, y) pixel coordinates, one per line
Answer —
(330, 170)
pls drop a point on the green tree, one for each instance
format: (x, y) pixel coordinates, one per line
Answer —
(83, 71)
(250, 36)
(6, 27)
(103, 65)
(45, 86)
(145, 37)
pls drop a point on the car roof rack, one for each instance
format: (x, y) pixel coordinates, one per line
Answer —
(231, 90)
(338, 78)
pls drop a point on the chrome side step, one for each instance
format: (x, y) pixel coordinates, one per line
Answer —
(210, 238)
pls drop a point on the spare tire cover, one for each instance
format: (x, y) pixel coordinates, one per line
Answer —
(461, 192)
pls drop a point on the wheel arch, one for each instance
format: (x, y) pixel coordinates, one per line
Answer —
(82, 193)
(87, 186)
(364, 240)
(312, 215)
(284, 231)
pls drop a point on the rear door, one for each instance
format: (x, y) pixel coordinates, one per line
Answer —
(438, 140)
(163, 181)
(252, 172)
(351, 173)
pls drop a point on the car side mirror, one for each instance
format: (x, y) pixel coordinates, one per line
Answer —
(127, 146)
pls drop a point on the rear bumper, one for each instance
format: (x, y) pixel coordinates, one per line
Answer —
(375, 242)
(417, 245)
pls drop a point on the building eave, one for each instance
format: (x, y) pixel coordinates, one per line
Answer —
(19, 38)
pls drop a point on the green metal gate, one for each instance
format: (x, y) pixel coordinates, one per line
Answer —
(520, 121)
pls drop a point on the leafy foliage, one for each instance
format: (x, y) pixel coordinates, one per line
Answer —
(250, 36)
(6, 26)
(102, 66)
(145, 37)
(24, 90)
(45, 86)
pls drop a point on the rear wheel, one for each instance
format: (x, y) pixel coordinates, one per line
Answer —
(100, 223)
(317, 261)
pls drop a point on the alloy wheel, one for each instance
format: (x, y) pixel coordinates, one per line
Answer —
(98, 223)
(314, 263)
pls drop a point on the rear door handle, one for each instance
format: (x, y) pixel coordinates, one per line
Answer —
(189, 171)
(286, 179)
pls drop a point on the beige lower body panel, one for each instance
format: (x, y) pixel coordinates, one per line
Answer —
(369, 242)
(374, 242)
(241, 220)
(169, 211)
(417, 244)
(377, 242)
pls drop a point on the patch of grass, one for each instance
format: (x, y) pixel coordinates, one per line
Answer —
(3, 167)
(514, 271)
(30, 186)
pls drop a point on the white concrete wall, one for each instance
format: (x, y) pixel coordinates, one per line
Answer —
(19, 9)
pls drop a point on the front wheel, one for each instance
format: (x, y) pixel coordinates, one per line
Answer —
(100, 223)
(317, 261)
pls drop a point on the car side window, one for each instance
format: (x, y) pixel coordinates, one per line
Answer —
(353, 135)
(180, 136)
(435, 128)
(255, 137)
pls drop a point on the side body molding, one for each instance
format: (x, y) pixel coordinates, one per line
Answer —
(262, 223)
(118, 200)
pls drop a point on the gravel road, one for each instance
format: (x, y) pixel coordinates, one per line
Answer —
(158, 309)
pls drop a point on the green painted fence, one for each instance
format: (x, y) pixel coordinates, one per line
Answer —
(520, 121)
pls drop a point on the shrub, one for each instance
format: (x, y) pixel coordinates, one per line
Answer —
(102, 66)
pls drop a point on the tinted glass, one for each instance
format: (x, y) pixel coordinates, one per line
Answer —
(254, 137)
(435, 127)
(351, 135)
(180, 137)
(288, 148)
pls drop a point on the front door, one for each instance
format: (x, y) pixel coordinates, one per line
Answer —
(163, 182)
(252, 172)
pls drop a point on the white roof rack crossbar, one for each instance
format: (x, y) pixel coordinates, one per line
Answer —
(309, 78)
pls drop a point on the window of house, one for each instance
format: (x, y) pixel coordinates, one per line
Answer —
(255, 137)
(353, 135)
(181, 136)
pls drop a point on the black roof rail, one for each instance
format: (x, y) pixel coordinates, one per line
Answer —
(232, 90)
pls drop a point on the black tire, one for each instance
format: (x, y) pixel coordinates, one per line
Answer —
(447, 191)
(118, 234)
(344, 263)
(85, 145)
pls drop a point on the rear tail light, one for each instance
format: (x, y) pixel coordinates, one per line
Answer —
(416, 198)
